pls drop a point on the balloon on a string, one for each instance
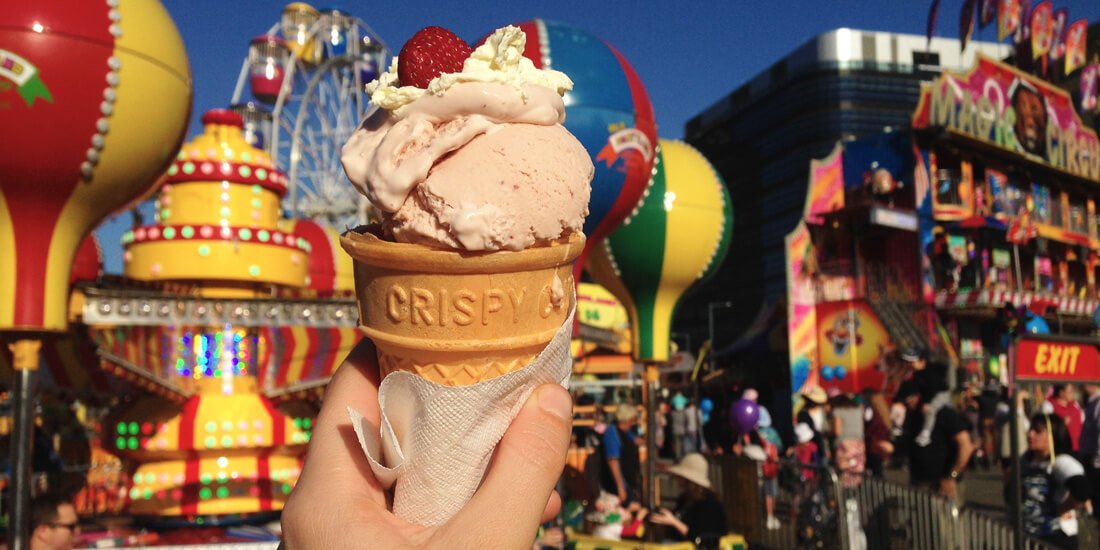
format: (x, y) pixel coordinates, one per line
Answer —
(744, 415)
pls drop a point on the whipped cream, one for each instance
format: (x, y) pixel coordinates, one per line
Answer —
(499, 60)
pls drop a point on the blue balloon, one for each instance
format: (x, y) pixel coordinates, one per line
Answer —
(840, 372)
(1036, 325)
(826, 373)
(706, 405)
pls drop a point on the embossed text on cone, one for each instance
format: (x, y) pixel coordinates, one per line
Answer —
(458, 318)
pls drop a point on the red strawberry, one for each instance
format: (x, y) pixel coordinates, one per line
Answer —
(431, 52)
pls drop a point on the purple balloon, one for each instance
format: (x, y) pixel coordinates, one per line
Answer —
(744, 415)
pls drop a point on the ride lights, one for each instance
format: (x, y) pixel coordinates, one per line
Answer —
(268, 57)
(119, 309)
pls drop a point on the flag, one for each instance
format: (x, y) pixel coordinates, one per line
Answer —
(1008, 18)
(1023, 29)
(1058, 46)
(933, 13)
(1076, 35)
(989, 13)
(966, 22)
(922, 183)
(1042, 26)
(1089, 86)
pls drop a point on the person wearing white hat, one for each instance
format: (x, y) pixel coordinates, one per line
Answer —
(814, 415)
(699, 515)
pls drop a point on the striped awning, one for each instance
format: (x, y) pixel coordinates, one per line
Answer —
(66, 362)
(300, 356)
(284, 359)
(997, 298)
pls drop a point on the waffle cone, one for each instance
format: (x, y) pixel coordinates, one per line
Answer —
(455, 317)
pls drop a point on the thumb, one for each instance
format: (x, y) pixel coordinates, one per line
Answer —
(506, 510)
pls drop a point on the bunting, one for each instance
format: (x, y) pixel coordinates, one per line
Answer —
(988, 13)
(1042, 28)
(1076, 37)
(933, 14)
(1058, 46)
(966, 22)
(1089, 85)
(1008, 18)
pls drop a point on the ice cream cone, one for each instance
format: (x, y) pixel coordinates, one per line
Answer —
(455, 317)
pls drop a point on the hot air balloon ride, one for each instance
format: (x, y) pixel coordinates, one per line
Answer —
(82, 138)
(675, 238)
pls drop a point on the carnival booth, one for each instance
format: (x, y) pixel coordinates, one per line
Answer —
(921, 237)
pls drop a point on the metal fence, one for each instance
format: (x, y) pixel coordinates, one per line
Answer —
(806, 506)
(815, 510)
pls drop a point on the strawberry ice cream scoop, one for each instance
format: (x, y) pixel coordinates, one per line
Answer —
(512, 188)
(479, 159)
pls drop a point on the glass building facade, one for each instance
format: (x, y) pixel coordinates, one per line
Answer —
(839, 86)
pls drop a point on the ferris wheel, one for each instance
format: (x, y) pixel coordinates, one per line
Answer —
(306, 78)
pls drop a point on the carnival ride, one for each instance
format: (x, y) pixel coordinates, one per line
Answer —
(202, 367)
(306, 74)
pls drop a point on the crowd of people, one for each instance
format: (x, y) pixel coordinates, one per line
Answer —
(921, 428)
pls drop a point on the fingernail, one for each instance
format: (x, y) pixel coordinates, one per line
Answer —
(556, 401)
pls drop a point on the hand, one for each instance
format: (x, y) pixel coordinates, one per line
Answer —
(622, 496)
(663, 517)
(338, 503)
(948, 488)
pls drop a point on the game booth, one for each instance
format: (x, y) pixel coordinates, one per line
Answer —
(922, 237)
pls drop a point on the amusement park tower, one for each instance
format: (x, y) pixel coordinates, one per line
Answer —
(217, 233)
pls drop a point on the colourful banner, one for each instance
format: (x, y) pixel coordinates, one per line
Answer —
(1058, 47)
(999, 104)
(1009, 14)
(1076, 38)
(1042, 29)
(801, 316)
(826, 192)
(1061, 361)
(1089, 78)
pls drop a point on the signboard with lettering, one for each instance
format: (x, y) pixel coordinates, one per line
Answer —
(1057, 360)
(1000, 105)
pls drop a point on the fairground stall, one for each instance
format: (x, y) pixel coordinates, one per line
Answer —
(947, 235)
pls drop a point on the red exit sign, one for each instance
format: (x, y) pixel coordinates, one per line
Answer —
(1056, 360)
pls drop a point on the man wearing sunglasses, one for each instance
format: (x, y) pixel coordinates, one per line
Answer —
(54, 523)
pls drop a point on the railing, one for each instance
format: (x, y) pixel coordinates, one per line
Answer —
(816, 511)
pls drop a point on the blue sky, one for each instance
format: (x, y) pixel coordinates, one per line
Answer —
(689, 54)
